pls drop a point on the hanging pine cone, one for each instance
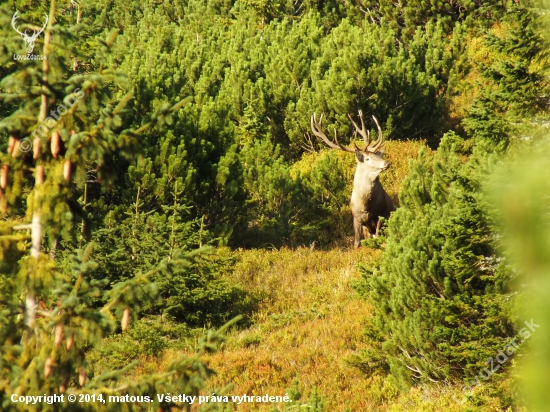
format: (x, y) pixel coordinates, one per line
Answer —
(36, 145)
(4, 176)
(125, 321)
(82, 377)
(55, 143)
(70, 341)
(48, 366)
(63, 386)
(11, 144)
(67, 170)
(58, 335)
(16, 148)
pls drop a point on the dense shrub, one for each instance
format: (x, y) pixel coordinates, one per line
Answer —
(440, 291)
(193, 293)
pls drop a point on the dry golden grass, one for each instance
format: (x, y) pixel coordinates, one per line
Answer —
(309, 320)
(307, 324)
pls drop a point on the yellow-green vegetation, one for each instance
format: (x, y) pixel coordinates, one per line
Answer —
(308, 324)
(121, 255)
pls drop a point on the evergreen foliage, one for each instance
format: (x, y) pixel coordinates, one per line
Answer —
(257, 70)
(512, 88)
(190, 293)
(440, 291)
(276, 200)
(49, 314)
(327, 210)
(183, 127)
(148, 336)
(239, 77)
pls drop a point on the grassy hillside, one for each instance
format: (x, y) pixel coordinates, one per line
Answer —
(309, 323)
(308, 326)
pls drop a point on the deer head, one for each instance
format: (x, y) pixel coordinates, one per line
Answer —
(369, 159)
(29, 39)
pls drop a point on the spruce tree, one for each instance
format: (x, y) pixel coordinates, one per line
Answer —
(68, 127)
(192, 293)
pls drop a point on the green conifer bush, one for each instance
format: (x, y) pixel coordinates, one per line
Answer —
(276, 206)
(441, 292)
(192, 293)
(512, 89)
(257, 72)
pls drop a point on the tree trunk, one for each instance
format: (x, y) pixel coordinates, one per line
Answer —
(36, 224)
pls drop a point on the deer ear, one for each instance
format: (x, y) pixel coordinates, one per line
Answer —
(380, 152)
(359, 155)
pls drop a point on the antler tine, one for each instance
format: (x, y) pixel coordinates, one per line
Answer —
(45, 23)
(13, 22)
(317, 122)
(361, 131)
(380, 141)
(342, 147)
(318, 131)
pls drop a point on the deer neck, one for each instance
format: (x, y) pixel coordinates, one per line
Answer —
(365, 185)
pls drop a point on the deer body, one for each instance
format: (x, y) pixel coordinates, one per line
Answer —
(369, 201)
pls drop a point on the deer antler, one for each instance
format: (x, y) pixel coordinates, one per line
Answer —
(370, 147)
(380, 141)
(13, 23)
(317, 130)
(43, 27)
(361, 131)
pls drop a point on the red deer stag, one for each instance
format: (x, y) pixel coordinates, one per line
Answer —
(369, 201)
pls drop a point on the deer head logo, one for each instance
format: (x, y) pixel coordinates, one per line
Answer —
(29, 39)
